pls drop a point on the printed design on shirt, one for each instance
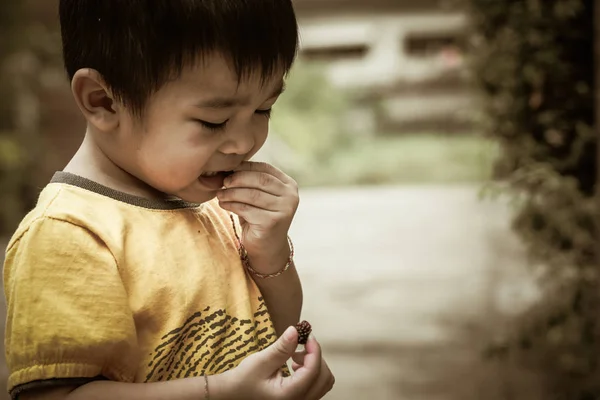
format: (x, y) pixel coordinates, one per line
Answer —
(209, 342)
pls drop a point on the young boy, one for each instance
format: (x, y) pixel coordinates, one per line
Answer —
(128, 280)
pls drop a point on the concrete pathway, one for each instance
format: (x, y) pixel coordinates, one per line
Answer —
(400, 281)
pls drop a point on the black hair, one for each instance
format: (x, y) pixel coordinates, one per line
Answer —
(139, 45)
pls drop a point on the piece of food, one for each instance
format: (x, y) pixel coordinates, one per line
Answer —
(304, 329)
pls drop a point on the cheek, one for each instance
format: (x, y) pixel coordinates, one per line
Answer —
(261, 132)
(172, 167)
(176, 151)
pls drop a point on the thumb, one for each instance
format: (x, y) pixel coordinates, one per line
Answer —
(277, 354)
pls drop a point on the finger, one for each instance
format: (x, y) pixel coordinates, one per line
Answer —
(273, 357)
(298, 360)
(256, 179)
(298, 357)
(308, 373)
(251, 214)
(264, 167)
(324, 383)
(254, 197)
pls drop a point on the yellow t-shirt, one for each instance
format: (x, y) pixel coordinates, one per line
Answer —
(105, 285)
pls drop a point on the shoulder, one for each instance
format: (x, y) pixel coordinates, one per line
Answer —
(63, 208)
(52, 248)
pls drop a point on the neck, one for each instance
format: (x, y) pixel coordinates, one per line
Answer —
(92, 163)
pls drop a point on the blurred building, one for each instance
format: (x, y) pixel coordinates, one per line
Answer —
(405, 59)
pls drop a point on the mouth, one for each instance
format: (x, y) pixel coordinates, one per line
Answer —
(214, 180)
(225, 174)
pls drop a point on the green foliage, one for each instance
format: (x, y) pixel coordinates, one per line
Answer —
(8, 15)
(309, 119)
(419, 158)
(534, 64)
(28, 51)
(10, 157)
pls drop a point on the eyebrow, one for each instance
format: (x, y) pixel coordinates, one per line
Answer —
(229, 102)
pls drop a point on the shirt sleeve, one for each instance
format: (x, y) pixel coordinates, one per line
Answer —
(68, 318)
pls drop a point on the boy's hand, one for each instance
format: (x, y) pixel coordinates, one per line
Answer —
(259, 376)
(266, 201)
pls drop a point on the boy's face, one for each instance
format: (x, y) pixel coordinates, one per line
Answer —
(204, 122)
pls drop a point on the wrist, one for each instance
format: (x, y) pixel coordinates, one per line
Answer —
(220, 387)
(265, 264)
(273, 261)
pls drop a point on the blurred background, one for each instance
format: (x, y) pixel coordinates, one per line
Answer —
(447, 235)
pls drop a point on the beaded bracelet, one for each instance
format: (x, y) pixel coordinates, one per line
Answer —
(246, 259)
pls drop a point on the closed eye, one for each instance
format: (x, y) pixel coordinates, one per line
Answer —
(266, 113)
(220, 126)
(212, 126)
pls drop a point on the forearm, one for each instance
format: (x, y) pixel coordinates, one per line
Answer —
(183, 389)
(283, 296)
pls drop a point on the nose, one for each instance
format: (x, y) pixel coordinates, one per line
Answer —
(240, 141)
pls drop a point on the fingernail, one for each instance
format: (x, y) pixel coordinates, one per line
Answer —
(289, 333)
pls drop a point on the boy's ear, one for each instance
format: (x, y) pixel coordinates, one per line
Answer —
(94, 99)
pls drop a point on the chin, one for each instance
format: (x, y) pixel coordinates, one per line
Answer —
(198, 197)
